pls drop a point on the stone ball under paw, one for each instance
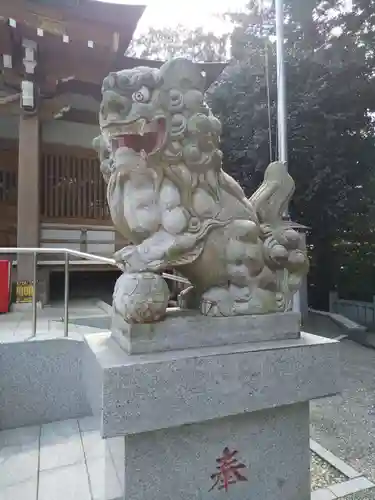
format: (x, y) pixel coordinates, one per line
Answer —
(141, 297)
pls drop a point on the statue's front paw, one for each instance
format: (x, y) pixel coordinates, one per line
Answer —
(138, 259)
(120, 255)
(129, 260)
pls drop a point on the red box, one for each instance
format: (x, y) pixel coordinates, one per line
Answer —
(4, 286)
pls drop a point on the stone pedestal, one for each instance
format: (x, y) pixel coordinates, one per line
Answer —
(168, 416)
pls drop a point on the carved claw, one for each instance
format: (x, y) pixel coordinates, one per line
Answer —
(121, 254)
(130, 260)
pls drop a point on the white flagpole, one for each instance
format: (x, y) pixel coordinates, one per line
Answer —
(282, 114)
(281, 84)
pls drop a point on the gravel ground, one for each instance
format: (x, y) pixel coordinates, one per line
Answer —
(365, 495)
(323, 474)
(345, 424)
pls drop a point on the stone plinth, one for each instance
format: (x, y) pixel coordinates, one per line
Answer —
(168, 416)
(183, 329)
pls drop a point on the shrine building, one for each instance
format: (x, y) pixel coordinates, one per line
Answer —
(54, 55)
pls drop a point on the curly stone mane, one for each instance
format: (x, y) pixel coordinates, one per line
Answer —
(191, 155)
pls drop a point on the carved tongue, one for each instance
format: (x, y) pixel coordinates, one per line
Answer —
(146, 142)
(143, 141)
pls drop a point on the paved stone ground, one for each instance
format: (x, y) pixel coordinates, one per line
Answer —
(345, 424)
(16, 326)
(58, 461)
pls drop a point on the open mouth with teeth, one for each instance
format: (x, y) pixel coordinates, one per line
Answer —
(140, 136)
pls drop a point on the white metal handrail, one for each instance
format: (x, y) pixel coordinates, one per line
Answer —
(67, 253)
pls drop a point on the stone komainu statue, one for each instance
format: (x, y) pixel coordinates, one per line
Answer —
(170, 197)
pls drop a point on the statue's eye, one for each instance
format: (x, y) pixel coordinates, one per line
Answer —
(142, 95)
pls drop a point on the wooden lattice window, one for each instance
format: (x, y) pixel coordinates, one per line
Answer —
(8, 185)
(72, 186)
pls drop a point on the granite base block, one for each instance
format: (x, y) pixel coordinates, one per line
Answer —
(168, 417)
(178, 463)
(146, 392)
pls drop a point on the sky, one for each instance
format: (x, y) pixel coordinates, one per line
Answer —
(190, 13)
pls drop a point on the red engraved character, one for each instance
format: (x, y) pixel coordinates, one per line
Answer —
(227, 470)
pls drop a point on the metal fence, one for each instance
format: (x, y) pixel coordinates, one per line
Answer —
(68, 254)
(359, 311)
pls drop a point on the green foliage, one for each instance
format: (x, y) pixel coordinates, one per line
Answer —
(330, 130)
(331, 100)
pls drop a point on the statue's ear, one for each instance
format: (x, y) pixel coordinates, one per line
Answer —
(182, 74)
(97, 143)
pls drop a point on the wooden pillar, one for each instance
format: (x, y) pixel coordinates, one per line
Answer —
(28, 193)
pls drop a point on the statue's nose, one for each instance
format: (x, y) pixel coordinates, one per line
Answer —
(114, 104)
